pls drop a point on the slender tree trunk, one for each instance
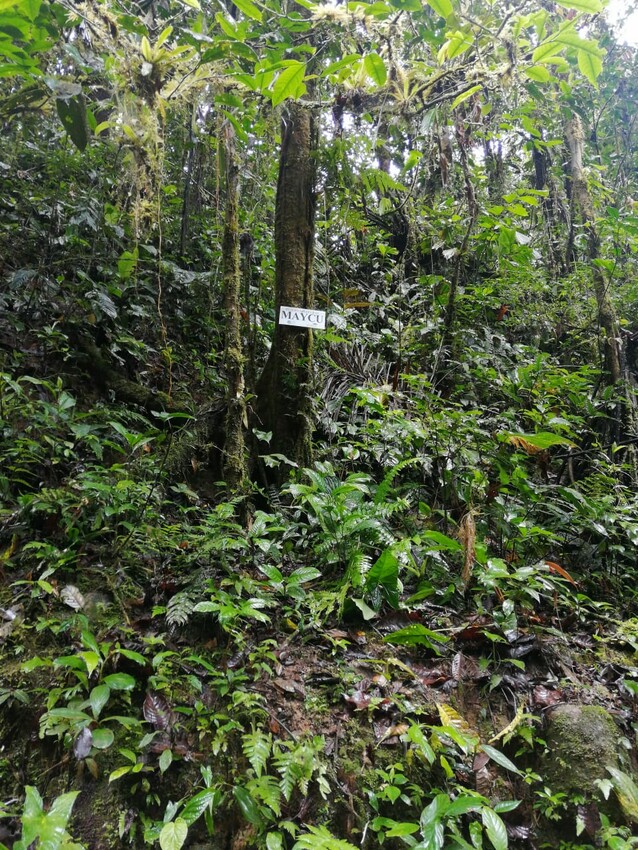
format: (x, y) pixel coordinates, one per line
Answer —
(283, 388)
(234, 460)
(583, 202)
(543, 181)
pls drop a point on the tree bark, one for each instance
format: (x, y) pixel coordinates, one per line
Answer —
(582, 199)
(234, 457)
(283, 389)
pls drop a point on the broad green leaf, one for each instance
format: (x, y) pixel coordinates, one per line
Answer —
(61, 808)
(248, 806)
(165, 760)
(137, 657)
(495, 829)
(303, 574)
(441, 7)
(498, 757)
(367, 612)
(173, 835)
(249, 9)
(290, 83)
(538, 73)
(545, 50)
(591, 6)
(119, 771)
(506, 806)
(539, 441)
(384, 573)
(374, 66)
(465, 95)
(572, 39)
(416, 634)
(147, 50)
(198, 804)
(457, 44)
(463, 804)
(98, 698)
(400, 829)
(102, 739)
(120, 682)
(627, 792)
(590, 66)
(275, 841)
(405, 5)
(91, 659)
(442, 540)
(416, 735)
(164, 35)
(126, 263)
(32, 814)
(72, 114)
(435, 810)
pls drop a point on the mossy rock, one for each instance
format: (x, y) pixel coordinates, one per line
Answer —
(582, 741)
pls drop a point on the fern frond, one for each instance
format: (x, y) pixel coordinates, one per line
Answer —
(286, 768)
(179, 609)
(384, 488)
(257, 746)
(358, 566)
(320, 838)
(266, 789)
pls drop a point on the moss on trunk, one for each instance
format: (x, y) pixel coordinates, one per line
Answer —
(284, 386)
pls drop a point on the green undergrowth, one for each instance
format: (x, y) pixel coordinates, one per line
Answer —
(367, 660)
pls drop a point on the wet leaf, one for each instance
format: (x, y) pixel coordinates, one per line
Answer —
(98, 698)
(418, 635)
(495, 829)
(173, 835)
(102, 738)
(120, 682)
(247, 805)
(165, 760)
(197, 805)
(500, 759)
(627, 792)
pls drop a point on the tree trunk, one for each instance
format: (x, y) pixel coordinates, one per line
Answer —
(234, 459)
(283, 388)
(582, 199)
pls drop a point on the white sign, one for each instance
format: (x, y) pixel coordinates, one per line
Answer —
(302, 318)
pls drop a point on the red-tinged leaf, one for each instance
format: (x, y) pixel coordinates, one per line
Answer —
(560, 571)
(157, 711)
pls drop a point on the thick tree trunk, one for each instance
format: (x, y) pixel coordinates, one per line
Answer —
(283, 388)
(582, 199)
(234, 459)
